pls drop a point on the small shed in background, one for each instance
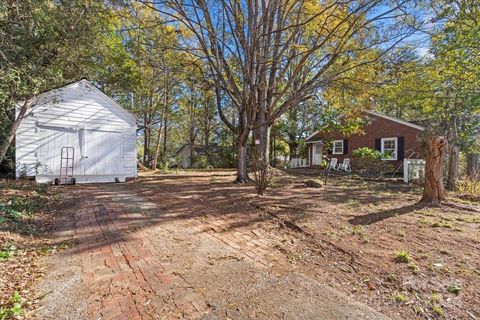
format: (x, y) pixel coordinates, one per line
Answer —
(99, 135)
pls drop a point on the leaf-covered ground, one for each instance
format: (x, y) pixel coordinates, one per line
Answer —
(26, 219)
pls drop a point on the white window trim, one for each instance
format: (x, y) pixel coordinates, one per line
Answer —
(333, 146)
(396, 148)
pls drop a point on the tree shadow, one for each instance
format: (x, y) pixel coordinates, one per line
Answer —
(378, 216)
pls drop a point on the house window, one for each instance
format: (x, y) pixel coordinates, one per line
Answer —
(389, 148)
(337, 147)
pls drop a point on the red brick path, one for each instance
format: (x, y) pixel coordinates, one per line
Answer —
(123, 270)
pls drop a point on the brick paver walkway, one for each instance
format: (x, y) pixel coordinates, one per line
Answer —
(163, 250)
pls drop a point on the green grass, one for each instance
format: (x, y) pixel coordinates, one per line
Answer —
(435, 298)
(437, 309)
(400, 297)
(402, 256)
(454, 288)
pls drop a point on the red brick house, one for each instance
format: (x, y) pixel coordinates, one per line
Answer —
(382, 132)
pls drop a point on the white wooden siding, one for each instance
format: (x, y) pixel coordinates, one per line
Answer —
(82, 117)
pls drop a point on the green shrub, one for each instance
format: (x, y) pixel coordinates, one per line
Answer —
(369, 161)
(367, 153)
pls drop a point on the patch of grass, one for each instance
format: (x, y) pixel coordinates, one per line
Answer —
(437, 309)
(426, 212)
(424, 221)
(435, 297)
(402, 256)
(436, 224)
(352, 203)
(358, 230)
(400, 297)
(454, 288)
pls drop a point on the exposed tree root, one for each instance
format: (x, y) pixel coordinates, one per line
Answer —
(242, 180)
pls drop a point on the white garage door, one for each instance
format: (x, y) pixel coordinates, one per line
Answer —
(104, 150)
(96, 152)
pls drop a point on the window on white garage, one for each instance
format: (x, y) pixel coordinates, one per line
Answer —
(337, 147)
(389, 148)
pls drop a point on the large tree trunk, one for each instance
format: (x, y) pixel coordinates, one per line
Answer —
(13, 128)
(261, 136)
(293, 147)
(433, 191)
(453, 167)
(242, 158)
(473, 166)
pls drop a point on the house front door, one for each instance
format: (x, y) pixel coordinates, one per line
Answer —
(317, 153)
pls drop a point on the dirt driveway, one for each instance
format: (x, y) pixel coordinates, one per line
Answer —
(171, 247)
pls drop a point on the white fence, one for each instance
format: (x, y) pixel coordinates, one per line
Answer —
(298, 163)
(413, 170)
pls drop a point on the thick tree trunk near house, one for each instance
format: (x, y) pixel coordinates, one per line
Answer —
(293, 149)
(261, 137)
(473, 166)
(13, 128)
(434, 192)
(453, 166)
(242, 158)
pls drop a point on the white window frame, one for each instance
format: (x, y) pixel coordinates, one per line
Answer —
(395, 155)
(333, 146)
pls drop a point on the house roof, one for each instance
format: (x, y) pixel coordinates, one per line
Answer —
(312, 138)
(94, 88)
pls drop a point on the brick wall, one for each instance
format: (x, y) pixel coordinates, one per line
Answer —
(378, 127)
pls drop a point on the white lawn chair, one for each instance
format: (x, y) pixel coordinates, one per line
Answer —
(333, 164)
(345, 165)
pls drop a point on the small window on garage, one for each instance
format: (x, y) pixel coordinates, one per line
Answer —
(337, 147)
(389, 148)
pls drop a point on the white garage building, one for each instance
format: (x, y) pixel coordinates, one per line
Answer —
(76, 132)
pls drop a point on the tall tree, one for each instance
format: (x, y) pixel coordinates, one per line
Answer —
(250, 46)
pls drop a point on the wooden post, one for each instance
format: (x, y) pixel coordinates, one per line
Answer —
(434, 191)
